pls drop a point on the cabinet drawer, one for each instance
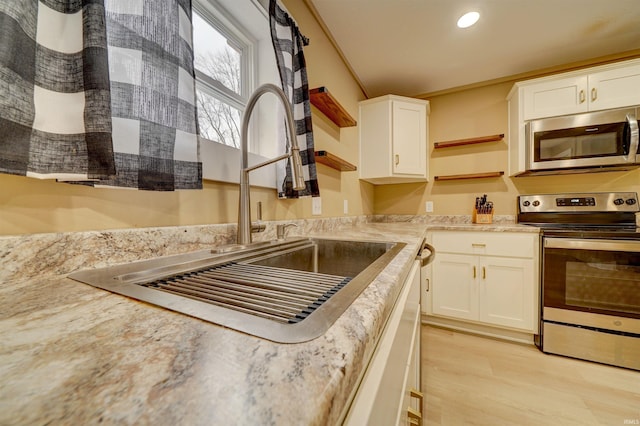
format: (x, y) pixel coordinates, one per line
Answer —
(507, 244)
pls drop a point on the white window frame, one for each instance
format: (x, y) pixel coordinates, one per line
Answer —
(233, 18)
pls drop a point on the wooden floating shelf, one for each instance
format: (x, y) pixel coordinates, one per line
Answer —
(323, 157)
(470, 141)
(470, 176)
(322, 99)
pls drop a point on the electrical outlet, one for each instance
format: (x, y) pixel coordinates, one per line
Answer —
(316, 206)
(429, 206)
(346, 206)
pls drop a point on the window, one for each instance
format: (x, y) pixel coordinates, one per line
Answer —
(233, 54)
(221, 60)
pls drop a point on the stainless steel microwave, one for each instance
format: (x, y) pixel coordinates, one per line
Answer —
(593, 141)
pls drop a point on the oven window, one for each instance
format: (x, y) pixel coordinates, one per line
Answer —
(606, 282)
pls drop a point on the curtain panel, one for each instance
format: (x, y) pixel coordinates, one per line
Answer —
(287, 43)
(99, 91)
(155, 129)
(55, 119)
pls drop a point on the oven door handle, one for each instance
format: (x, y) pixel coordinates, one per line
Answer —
(592, 244)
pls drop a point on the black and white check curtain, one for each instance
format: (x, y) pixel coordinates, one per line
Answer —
(55, 119)
(100, 91)
(288, 43)
(153, 94)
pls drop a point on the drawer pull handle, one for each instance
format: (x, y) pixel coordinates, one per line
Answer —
(478, 245)
(415, 418)
(397, 159)
(474, 272)
(484, 273)
(594, 94)
(582, 97)
(415, 393)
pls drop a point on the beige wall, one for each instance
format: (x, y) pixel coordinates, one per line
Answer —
(34, 206)
(481, 112)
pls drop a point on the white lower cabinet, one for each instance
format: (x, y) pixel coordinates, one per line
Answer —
(486, 277)
(389, 393)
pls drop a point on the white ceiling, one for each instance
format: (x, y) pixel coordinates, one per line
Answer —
(413, 47)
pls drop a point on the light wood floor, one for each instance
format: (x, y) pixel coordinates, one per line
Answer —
(473, 380)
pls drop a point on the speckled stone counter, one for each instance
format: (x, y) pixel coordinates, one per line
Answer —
(501, 223)
(73, 354)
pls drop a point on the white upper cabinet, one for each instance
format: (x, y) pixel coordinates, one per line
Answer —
(555, 97)
(615, 88)
(393, 139)
(593, 91)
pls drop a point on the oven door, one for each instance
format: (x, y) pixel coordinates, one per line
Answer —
(591, 276)
(591, 300)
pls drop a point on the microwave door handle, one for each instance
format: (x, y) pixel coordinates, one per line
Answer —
(633, 137)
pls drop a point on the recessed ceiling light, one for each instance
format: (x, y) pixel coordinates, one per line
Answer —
(468, 19)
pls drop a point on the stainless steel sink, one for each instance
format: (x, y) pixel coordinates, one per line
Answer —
(286, 291)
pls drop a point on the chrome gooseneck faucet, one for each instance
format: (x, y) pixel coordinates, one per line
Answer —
(244, 211)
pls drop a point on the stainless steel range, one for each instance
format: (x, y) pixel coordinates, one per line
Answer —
(590, 274)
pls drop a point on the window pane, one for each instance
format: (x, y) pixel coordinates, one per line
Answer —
(218, 121)
(214, 56)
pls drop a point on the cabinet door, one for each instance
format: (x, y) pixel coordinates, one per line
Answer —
(557, 97)
(506, 292)
(614, 88)
(412, 403)
(409, 139)
(381, 396)
(454, 291)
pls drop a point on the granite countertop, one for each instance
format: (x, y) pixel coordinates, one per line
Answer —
(74, 354)
(501, 223)
(489, 227)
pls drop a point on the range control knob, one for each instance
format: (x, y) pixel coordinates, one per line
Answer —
(526, 203)
(631, 201)
(536, 203)
(618, 201)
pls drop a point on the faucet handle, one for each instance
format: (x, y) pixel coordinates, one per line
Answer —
(281, 230)
(258, 226)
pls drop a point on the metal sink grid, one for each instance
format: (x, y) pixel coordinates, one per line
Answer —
(287, 291)
(277, 294)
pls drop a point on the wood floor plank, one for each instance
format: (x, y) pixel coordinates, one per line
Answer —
(475, 380)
